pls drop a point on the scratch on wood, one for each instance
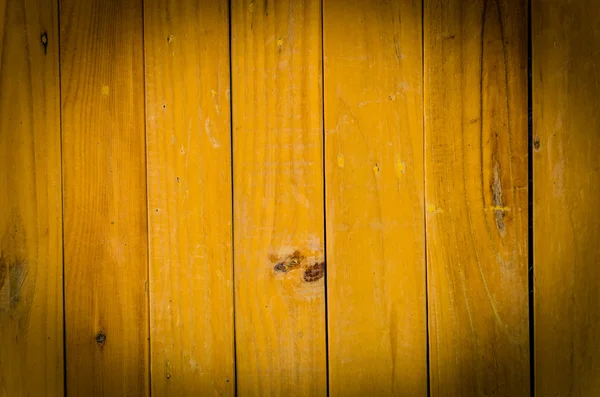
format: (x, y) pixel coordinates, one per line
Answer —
(213, 95)
(399, 55)
(497, 198)
(497, 208)
(213, 141)
(168, 369)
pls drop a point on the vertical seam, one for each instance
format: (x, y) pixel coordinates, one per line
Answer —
(62, 200)
(424, 149)
(326, 295)
(232, 213)
(530, 253)
(148, 267)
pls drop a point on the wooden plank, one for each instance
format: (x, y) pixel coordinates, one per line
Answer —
(566, 143)
(476, 196)
(31, 312)
(278, 197)
(105, 252)
(374, 189)
(189, 195)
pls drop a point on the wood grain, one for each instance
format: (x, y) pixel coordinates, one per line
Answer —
(189, 194)
(31, 313)
(476, 196)
(105, 217)
(566, 143)
(374, 189)
(278, 197)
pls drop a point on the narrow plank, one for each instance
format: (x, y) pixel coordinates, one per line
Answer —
(566, 127)
(278, 197)
(189, 194)
(476, 196)
(31, 312)
(104, 190)
(374, 189)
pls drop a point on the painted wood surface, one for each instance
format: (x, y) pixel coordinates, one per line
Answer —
(566, 143)
(476, 196)
(278, 198)
(374, 188)
(105, 220)
(298, 197)
(31, 304)
(189, 195)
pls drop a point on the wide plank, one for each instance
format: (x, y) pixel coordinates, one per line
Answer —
(31, 298)
(476, 182)
(105, 219)
(278, 198)
(376, 282)
(189, 195)
(566, 193)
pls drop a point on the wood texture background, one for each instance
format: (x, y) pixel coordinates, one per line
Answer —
(299, 197)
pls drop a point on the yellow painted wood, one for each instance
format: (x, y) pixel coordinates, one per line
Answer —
(566, 143)
(278, 198)
(189, 194)
(374, 189)
(476, 196)
(31, 312)
(105, 219)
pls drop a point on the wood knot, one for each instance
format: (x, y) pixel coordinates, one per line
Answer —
(100, 339)
(280, 267)
(315, 272)
(536, 143)
(44, 40)
(291, 261)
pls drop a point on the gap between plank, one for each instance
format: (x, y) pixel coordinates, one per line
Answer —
(530, 200)
(62, 201)
(323, 166)
(148, 300)
(235, 378)
(428, 364)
